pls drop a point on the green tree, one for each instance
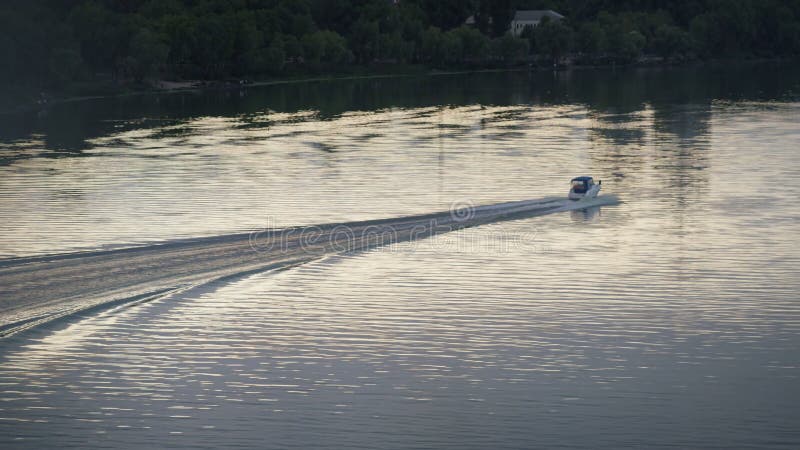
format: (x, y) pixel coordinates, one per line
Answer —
(53, 42)
(474, 44)
(553, 38)
(274, 57)
(509, 49)
(214, 44)
(632, 44)
(707, 33)
(336, 51)
(364, 40)
(180, 32)
(452, 48)
(621, 41)
(393, 47)
(432, 46)
(291, 47)
(246, 37)
(148, 53)
(270, 59)
(591, 38)
(670, 41)
(65, 64)
(336, 15)
(155, 9)
(445, 14)
(103, 35)
(325, 47)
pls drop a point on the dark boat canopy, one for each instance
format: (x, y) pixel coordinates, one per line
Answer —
(581, 179)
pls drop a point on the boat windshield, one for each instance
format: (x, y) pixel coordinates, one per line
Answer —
(579, 187)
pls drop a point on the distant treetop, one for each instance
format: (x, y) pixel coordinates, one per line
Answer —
(51, 43)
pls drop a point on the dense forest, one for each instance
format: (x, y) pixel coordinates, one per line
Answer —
(49, 44)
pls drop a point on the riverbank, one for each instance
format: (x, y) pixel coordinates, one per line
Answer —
(18, 101)
(32, 100)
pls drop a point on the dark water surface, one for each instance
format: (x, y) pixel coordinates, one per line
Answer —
(670, 320)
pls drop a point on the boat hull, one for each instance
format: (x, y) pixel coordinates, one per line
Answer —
(591, 193)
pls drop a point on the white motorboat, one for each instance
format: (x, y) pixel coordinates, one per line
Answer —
(584, 188)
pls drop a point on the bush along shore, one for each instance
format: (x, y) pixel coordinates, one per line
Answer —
(56, 49)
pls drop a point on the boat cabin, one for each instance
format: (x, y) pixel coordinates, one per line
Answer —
(580, 185)
(583, 187)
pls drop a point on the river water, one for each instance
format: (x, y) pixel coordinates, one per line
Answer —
(668, 320)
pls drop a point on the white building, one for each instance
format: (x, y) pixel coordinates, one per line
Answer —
(523, 19)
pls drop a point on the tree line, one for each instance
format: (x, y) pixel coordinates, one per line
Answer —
(51, 43)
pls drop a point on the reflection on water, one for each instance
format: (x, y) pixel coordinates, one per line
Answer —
(146, 168)
(668, 320)
(213, 175)
(586, 215)
(145, 185)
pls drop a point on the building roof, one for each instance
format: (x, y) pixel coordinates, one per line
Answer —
(536, 15)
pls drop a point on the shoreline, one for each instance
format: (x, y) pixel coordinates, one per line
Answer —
(171, 87)
(220, 85)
